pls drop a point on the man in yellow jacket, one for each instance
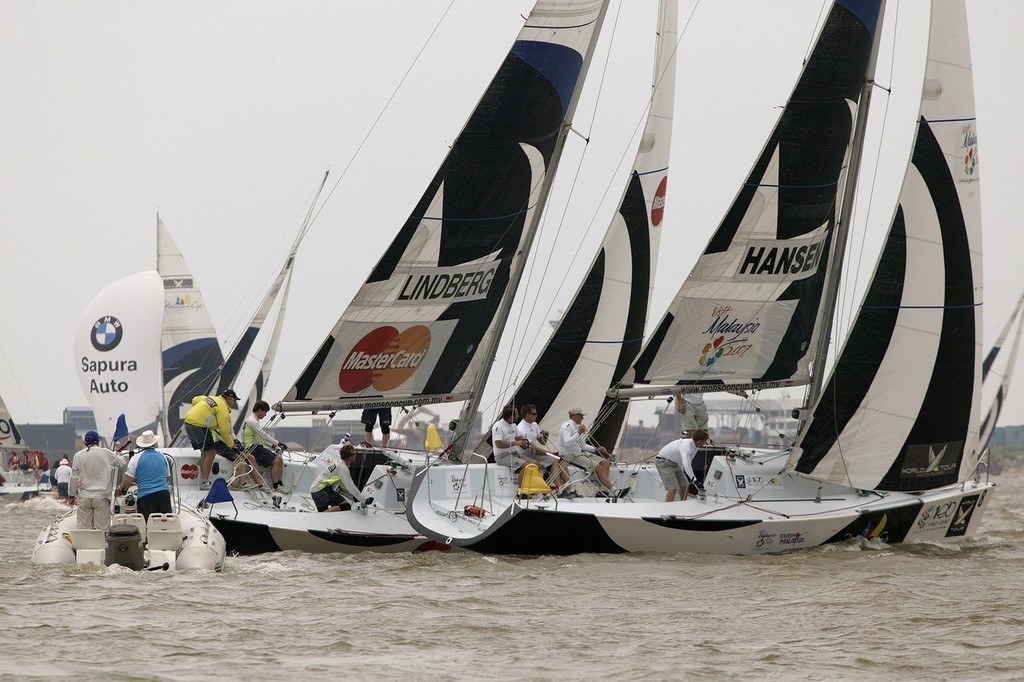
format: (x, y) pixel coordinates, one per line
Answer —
(210, 416)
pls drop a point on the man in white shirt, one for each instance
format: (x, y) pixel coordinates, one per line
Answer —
(535, 450)
(92, 482)
(573, 448)
(505, 440)
(675, 464)
(693, 412)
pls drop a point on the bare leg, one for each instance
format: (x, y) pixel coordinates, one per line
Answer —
(384, 438)
(206, 464)
(368, 435)
(670, 495)
(276, 468)
(602, 470)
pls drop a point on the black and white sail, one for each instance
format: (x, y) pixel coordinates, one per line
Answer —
(749, 314)
(190, 352)
(900, 410)
(424, 326)
(601, 331)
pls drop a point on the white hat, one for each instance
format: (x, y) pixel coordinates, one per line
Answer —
(146, 439)
(65, 461)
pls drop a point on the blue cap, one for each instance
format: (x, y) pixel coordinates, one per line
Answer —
(91, 438)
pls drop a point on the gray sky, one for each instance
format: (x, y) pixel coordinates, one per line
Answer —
(224, 115)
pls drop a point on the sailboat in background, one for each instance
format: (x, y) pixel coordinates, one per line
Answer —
(189, 350)
(989, 373)
(12, 449)
(131, 330)
(889, 442)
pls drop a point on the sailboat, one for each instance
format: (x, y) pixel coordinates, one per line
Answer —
(423, 329)
(888, 447)
(17, 484)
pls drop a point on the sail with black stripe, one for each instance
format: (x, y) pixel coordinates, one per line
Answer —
(749, 314)
(900, 410)
(190, 352)
(424, 326)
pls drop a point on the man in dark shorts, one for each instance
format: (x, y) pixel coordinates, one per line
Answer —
(369, 418)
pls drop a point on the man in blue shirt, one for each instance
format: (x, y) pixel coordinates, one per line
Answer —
(149, 469)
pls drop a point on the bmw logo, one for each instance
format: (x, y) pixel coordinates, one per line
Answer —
(106, 333)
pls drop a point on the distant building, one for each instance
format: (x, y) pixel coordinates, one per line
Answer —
(53, 439)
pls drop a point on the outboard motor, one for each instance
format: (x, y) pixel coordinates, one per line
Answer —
(124, 547)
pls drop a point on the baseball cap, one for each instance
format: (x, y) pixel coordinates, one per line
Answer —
(228, 393)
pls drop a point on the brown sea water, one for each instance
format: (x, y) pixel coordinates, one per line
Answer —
(861, 611)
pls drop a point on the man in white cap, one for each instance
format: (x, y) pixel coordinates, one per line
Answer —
(150, 470)
(573, 448)
(92, 482)
(63, 477)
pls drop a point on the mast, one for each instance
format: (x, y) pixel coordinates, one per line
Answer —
(831, 294)
(490, 349)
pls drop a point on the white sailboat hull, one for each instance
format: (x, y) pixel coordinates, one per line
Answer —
(257, 522)
(747, 508)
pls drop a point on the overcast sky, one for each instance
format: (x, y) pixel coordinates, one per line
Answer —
(223, 116)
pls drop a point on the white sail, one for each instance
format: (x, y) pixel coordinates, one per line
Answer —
(117, 352)
(601, 331)
(10, 437)
(749, 314)
(901, 408)
(423, 327)
(190, 351)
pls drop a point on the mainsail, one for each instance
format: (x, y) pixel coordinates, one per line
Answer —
(749, 314)
(901, 408)
(424, 326)
(190, 351)
(601, 331)
(117, 352)
(989, 374)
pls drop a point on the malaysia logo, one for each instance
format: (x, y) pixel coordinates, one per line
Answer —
(712, 351)
(106, 333)
(971, 145)
(384, 359)
(658, 205)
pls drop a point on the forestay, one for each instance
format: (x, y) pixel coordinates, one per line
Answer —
(748, 315)
(901, 408)
(423, 326)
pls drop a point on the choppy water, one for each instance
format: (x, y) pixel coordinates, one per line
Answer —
(859, 611)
